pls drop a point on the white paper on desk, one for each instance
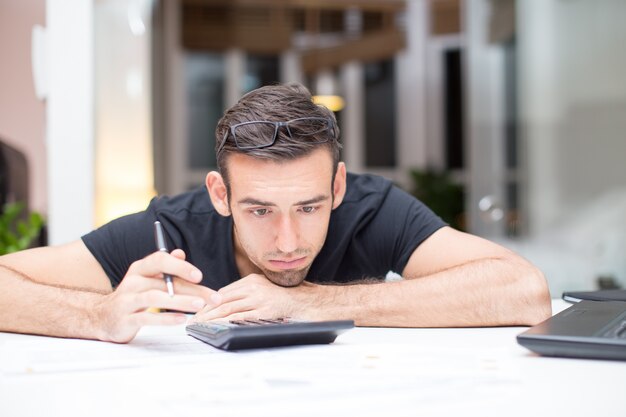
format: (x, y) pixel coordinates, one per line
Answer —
(357, 380)
(47, 354)
(178, 375)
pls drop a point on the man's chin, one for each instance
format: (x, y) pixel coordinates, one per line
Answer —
(287, 278)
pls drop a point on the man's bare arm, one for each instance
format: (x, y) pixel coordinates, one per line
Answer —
(453, 280)
(462, 296)
(456, 279)
(63, 291)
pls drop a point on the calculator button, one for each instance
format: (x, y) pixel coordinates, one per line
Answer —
(260, 322)
(240, 322)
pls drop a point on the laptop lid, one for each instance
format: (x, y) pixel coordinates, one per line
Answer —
(600, 295)
(588, 329)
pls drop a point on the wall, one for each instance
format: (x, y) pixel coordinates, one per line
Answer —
(22, 115)
(70, 119)
(572, 66)
(573, 91)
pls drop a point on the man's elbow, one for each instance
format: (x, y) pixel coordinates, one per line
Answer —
(537, 304)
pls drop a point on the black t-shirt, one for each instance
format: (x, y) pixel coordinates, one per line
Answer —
(374, 230)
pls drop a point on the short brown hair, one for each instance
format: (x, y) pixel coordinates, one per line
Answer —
(275, 103)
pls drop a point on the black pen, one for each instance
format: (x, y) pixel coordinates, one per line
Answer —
(160, 243)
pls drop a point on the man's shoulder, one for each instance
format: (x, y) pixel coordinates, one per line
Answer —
(193, 202)
(361, 186)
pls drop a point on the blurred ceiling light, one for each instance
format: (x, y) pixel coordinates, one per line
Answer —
(331, 102)
(326, 91)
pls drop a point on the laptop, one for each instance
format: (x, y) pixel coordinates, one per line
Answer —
(601, 295)
(588, 329)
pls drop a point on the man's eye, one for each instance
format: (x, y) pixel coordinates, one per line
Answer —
(308, 209)
(260, 212)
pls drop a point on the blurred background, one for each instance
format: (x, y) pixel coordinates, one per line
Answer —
(507, 117)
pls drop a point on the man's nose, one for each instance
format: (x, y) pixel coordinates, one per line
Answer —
(288, 235)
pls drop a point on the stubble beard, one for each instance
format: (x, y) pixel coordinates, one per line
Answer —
(290, 278)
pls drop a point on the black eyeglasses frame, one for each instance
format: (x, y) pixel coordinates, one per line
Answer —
(277, 125)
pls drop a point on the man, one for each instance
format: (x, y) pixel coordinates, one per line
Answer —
(282, 231)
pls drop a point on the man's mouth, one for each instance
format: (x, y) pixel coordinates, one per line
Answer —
(288, 263)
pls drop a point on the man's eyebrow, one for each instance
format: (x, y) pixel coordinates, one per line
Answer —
(316, 199)
(255, 202)
(249, 201)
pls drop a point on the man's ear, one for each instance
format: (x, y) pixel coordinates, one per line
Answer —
(217, 191)
(339, 186)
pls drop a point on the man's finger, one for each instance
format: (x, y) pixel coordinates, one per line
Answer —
(247, 315)
(187, 288)
(224, 310)
(159, 263)
(232, 294)
(160, 299)
(179, 253)
(247, 282)
(138, 283)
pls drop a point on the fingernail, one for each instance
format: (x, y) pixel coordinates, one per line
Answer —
(196, 274)
(199, 303)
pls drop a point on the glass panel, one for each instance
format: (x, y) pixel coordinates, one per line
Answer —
(204, 77)
(571, 67)
(510, 103)
(453, 109)
(260, 70)
(512, 220)
(380, 114)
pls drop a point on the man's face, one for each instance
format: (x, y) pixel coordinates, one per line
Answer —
(281, 212)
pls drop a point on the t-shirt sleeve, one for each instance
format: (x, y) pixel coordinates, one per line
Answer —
(401, 225)
(117, 244)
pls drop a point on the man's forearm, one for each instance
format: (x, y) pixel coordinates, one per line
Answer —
(30, 307)
(487, 292)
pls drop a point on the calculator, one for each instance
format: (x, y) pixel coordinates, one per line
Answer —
(263, 333)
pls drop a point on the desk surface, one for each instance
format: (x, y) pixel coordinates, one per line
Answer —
(367, 371)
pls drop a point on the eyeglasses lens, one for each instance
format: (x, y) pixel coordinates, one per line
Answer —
(307, 127)
(263, 134)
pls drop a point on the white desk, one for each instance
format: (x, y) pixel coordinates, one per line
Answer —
(368, 371)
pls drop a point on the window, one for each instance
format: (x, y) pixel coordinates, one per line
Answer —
(453, 109)
(380, 114)
(260, 70)
(204, 78)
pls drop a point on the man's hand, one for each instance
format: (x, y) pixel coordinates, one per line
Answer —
(120, 314)
(254, 296)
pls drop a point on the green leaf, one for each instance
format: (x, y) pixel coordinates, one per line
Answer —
(438, 191)
(17, 234)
